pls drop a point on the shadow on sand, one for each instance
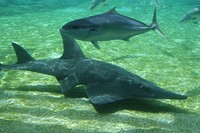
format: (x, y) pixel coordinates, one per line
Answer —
(139, 104)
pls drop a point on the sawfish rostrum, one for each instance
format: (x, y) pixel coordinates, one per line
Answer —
(104, 82)
(108, 26)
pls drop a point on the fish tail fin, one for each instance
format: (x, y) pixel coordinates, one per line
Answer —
(154, 24)
(22, 55)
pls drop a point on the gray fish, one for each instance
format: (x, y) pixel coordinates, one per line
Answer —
(95, 3)
(157, 3)
(105, 82)
(192, 14)
(108, 26)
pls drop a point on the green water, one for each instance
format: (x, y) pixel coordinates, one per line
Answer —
(31, 102)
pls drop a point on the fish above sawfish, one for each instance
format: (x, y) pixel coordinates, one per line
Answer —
(95, 3)
(192, 15)
(105, 82)
(108, 26)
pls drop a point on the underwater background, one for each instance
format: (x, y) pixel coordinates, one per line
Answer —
(32, 102)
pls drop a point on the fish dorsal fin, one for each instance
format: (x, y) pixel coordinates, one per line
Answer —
(112, 11)
(22, 55)
(71, 48)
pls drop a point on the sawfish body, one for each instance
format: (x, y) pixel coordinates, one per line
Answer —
(104, 82)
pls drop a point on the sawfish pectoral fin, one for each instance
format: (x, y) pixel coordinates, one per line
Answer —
(68, 83)
(102, 93)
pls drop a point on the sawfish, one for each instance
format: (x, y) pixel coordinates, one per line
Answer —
(104, 82)
(108, 26)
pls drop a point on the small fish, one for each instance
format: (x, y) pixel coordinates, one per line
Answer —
(108, 26)
(95, 3)
(105, 82)
(192, 15)
(157, 3)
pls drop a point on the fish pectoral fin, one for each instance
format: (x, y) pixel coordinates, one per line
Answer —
(95, 43)
(127, 39)
(68, 83)
(103, 93)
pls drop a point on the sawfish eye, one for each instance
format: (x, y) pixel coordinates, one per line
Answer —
(93, 29)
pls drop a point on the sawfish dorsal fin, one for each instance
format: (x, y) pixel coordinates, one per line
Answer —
(22, 55)
(71, 48)
(112, 11)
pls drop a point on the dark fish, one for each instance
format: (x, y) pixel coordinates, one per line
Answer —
(104, 82)
(108, 26)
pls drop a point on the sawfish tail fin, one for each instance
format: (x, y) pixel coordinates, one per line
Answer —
(22, 55)
(154, 24)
